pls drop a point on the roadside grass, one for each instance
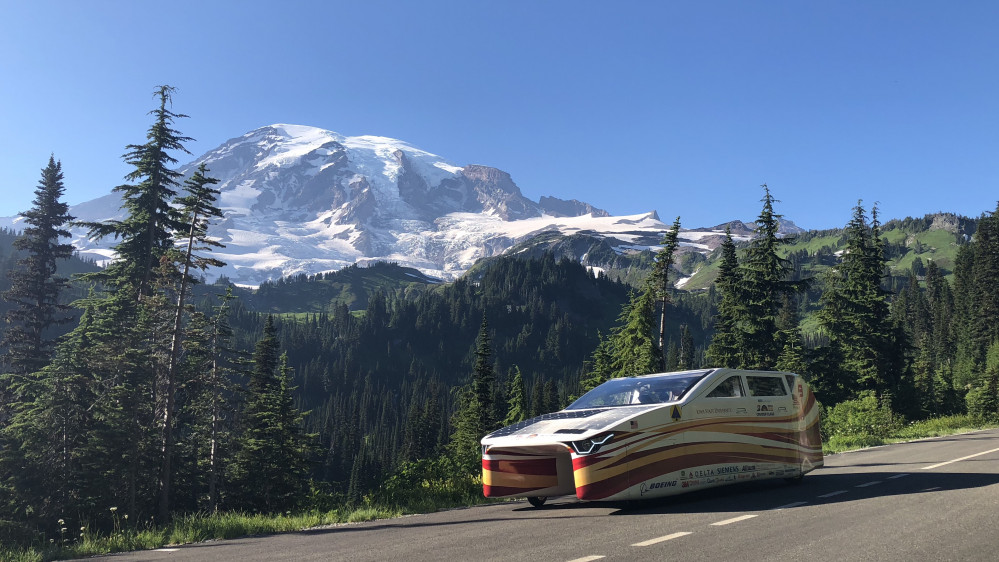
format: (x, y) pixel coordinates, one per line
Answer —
(936, 427)
(200, 527)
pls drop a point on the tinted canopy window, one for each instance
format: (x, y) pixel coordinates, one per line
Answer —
(728, 388)
(639, 390)
(765, 386)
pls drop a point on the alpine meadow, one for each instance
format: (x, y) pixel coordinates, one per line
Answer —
(146, 399)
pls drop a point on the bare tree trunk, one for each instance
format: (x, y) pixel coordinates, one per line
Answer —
(166, 438)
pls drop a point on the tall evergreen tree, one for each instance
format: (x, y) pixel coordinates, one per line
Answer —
(633, 341)
(765, 277)
(35, 287)
(517, 401)
(686, 350)
(197, 209)
(601, 365)
(856, 313)
(976, 296)
(146, 233)
(269, 469)
(725, 349)
(484, 378)
(659, 283)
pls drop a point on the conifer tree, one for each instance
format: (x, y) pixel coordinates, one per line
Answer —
(976, 296)
(273, 452)
(856, 315)
(483, 379)
(44, 448)
(601, 365)
(35, 287)
(197, 209)
(146, 233)
(725, 349)
(765, 278)
(659, 284)
(517, 410)
(634, 347)
(686, 349)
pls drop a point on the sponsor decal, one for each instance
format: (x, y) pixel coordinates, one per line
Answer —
(749, 468)
(658, 485)
(764, 409)
(740, 410)
(710, 411)
(726, 469)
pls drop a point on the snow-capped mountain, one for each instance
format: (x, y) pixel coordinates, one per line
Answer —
(300, 199)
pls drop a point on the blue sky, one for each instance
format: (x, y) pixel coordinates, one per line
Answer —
(682, 107)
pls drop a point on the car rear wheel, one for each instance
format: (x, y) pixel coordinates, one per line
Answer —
(795, 479)
(537, 501)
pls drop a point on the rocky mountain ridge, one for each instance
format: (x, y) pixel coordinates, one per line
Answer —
(300, 199)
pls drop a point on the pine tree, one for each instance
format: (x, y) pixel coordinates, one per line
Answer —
(856, 314)
(976, 296)
(273, 451)
(725, 349)
(601, 365)
(765, 278)
(43, 448)
(35, 287)
(659, 284)
(146, 233)
(198, 207)
(634, 347)
(483, 379)
(686, 350)
(517, 402)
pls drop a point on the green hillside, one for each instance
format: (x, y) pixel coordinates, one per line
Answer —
(910, 243)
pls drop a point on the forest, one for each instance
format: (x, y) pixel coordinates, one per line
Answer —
(137, 393)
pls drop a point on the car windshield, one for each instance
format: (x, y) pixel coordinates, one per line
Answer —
(629, 391)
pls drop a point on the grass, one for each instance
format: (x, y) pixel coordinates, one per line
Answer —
(199, 527)
(936, 427)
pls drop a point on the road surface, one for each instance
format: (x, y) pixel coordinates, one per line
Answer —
(935, 499)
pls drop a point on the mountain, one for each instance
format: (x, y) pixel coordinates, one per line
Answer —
(300, 199)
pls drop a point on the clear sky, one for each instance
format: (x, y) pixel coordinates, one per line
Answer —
(683, 107)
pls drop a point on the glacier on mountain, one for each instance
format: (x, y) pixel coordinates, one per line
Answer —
(301, 199)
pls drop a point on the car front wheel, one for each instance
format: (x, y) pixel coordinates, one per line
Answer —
(537, 501)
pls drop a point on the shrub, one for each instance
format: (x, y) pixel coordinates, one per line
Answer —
(863, 416)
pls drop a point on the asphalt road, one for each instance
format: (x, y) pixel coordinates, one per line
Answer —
(936, 499)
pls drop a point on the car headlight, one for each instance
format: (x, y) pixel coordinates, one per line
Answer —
(590, 446)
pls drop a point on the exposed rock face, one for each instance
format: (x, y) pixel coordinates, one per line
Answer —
(301, 199)
(304, 200)
(571, 208)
